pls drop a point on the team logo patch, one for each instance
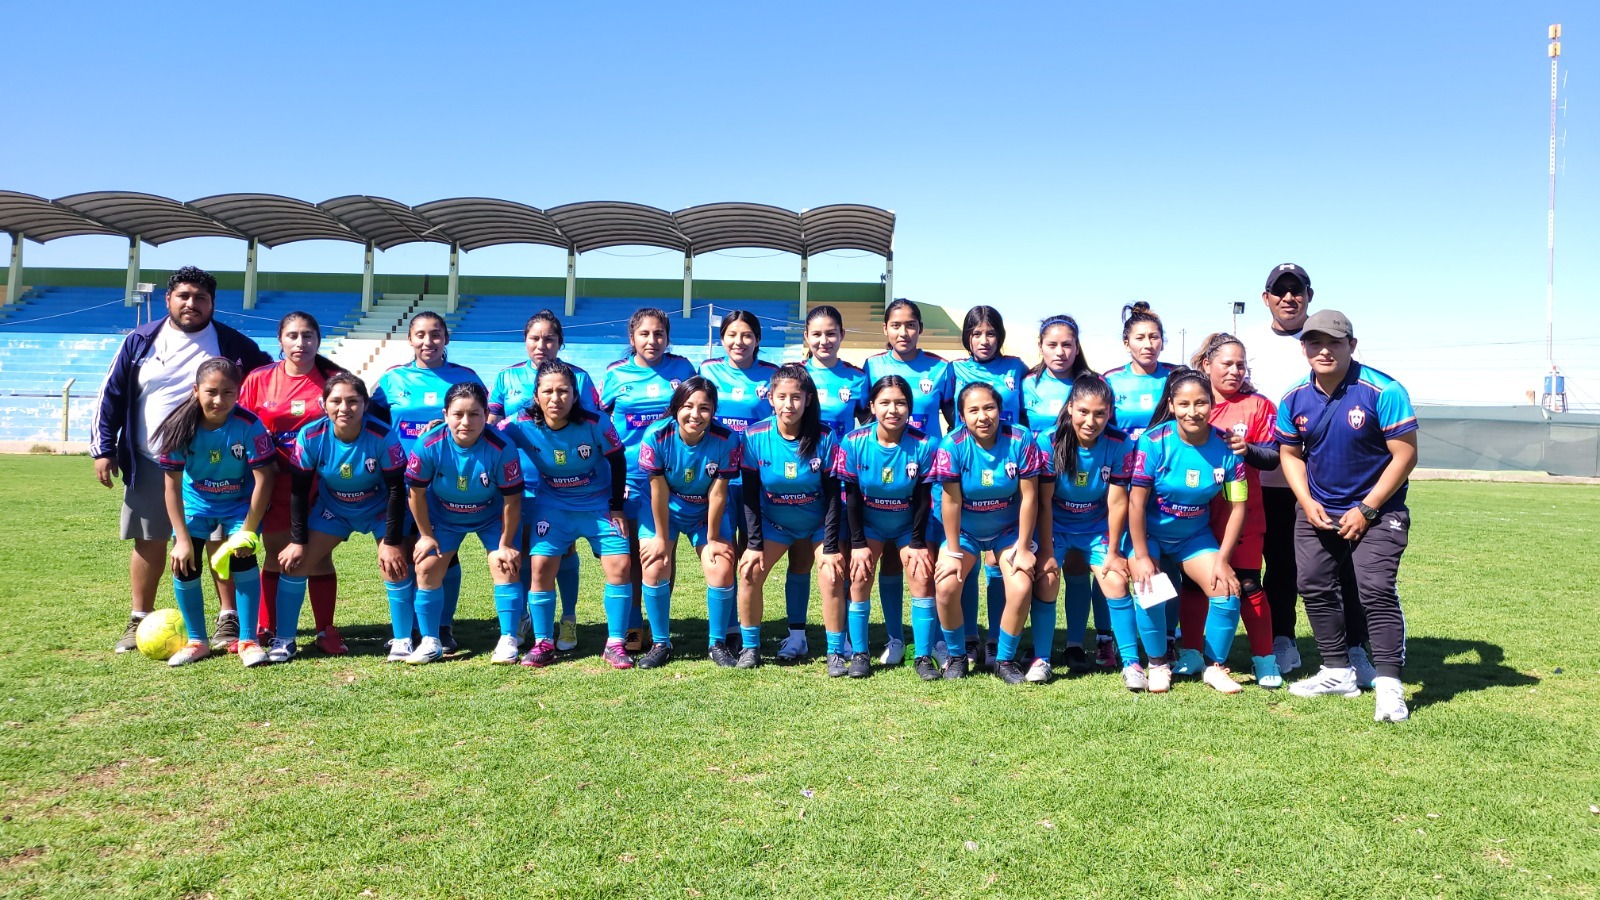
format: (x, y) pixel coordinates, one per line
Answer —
(1105, 473)
(888, 474)
(461, 482)
(483, 478)
(431, 398)
(1358, 417)
(238, 450)
(216, 456)
(1146, 401)
(543, 528)
(1081, 479)
(738, 392)
(791, 470)
(926, 384)
(1239, 429)
(561, 457)
(1192, 478)
(652, 390)
(263, 445)
(396, 455)
(844, 394)
(512, 470)
(1011, 381)
(1011, 470)
(585, 451)
(297, 407)
(761, 392)
(816, 464)
(987, 478)
(346, 471)
(675, 383)
(711, 470)
(911, 470)
(371, 464)
(327, 515)
(1217, 474)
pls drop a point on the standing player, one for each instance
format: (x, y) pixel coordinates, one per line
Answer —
(579, 459)
(211, 450)
(1349, 443)
(887, 470)
(1139, 383)
(841, 387)
(410, 396)
(689, 458)
(513, 389)
(636, 392)
(990, 474)
(792, 503)
(464, 477)
(741, 379)
(1179, 464)
(285, 396)
(358, 470)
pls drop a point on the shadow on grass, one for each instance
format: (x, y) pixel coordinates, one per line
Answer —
(1447, 667)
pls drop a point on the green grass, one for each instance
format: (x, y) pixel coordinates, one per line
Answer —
(348, 776)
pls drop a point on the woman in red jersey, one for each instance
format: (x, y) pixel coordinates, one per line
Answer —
(285, 396)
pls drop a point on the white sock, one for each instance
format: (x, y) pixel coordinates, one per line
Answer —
(138, 614)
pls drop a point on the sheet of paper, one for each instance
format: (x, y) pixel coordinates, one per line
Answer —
(1161, 590)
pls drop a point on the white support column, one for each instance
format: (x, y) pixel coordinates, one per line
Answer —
(250, 273)
(805, 285)
(14, 274)
(366, 281)
(453, 294)
(888, 278)
(130, 297)
(572, 283)
(688, 283)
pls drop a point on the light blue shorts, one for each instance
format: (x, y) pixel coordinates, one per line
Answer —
(212, 527)
(771, 530)
(1092, 546)
(328, 520)
(692, 527)
(1004, 541)
(1184, 549)
(555, 532)
(450, 538)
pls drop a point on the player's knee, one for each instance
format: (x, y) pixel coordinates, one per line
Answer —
(1249, 581)
(244, 564)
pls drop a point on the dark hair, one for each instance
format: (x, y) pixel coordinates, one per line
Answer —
(550, 367)
(1180, 376)
(889, 381)
(469, 389)
(811, 419)
(639, 315)
(322, 364)
(343, 377)
(1209, 348)
(983, 315)
(1136, 313)
(961, 398)
(429, 314)
(178, 429)
(545, 315)
(686, 389)
(902, 303)
(818, 312)
(1080, 365)
(196, 276)
(741, 315)
(1064, 443)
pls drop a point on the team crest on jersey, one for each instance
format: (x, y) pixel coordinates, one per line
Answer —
(1192, 478)
(216, 456)
(1105, 473)
(585, 451)
(297, 407)
(926, 384)
(483, 478)
(238, 451)
(888, 474)
(371, 464)
(346, 471)
(1011, 470)
(816, 464)
(986, 478)
(561, 457)
(1358, 417)
(738, 392)
(675, 383)
(1081, 479)
(652, 390)
(761, 392)
(1011, 381)
(1218, 474)
(844, 394)
(1146, 401)
(911, 470)
(711, 470)
(543, 528)
(431, 398)
(1238, 429)
(791, 470)
(461, 482)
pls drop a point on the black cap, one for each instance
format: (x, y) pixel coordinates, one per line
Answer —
(1287, 269)
(1330, 322)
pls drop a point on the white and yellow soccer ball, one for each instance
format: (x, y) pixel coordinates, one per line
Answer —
(162, 634)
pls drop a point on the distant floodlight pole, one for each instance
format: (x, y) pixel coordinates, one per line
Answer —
(14, 274)
(688, 282)
(452, 295)
(572, 281)
(129, 297)
(1550, 228)
(888, 275)
(250, 273)
(366, 280)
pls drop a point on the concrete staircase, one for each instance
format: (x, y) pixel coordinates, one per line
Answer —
(376, 340)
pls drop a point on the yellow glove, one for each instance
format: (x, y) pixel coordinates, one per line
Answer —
(222, 560)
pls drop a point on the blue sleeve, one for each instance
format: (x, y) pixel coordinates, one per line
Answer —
(421, 465)
(1395, 413)
(379, 407)
(112, 409)
(1287, 434)
(497, 395)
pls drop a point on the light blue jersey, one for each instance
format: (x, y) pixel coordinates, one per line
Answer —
(572, 461)
(842, 393)
(350, 476)
(741, 393)
(1137, 395)
(887, 476)
(990, 496)
(690, 470)
(635, 397)
(514, 387)
(466, 486)
(791, 485)
(218, 466)
(1182, 480)
(932, 386)
(1078, 499)
(1005, 373)
(410, 396)
(1043, 397)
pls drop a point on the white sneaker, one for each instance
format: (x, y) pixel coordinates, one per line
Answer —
(1217, 678)
(399, 650)
(1287, 653)
(894, 653)
(941, 653)
(1336, 682)
(505, 652)
(280, 650)
(1039, 672)
(1391, 698)
(194, 651)
(794, 647)
(1365, 673)
(1159, 679)
(429, 650)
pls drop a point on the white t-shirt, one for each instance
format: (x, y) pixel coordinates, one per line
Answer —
(1277, 363)
(167, 376)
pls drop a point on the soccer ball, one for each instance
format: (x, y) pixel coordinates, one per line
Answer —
(162, 634)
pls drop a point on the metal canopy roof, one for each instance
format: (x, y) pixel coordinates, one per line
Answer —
(848, 226)
(475, 222)
(42, 220)
(384, 222)
(601, 224)
(273, 219)
(156, 220)
(722, 226)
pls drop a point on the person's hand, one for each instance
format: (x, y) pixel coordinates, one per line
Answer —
(1352, 525)
(752, 564)
(652, 550)
(505, 560)
(105, 469)
(289, 558)
(182, 554)
(861, 564)
(1116, 562)
(1222, 578)
(1237, 443)
(1318, 517)
(719, 550)
(619, 522)
(426, 547)
(947, 567)
(1022, 559)
(1140, 570)
(831, 567)
(917, 562)
(392, 561)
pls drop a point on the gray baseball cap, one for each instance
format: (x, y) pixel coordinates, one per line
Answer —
(1330, 322)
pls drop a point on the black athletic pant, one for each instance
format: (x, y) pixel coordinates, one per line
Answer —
(1330, 566)
(1281, 582)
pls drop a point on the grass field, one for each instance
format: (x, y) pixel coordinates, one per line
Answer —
(353, 777)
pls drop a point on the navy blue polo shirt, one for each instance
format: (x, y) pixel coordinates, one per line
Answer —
(1366, 411)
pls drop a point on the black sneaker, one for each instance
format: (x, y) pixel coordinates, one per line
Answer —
(1172, 648)
(956, 668)
(991, 655)
(1077, 661)
(837, 665)
(655, 657)
(1009, 671)
(226, 637)
(860, 665)
(927, 668)
(130, 636)
(975, 653)
(722, 656)
(749, 658)
(447, 639)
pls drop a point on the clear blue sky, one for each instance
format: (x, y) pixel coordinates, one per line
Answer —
(1049, 157)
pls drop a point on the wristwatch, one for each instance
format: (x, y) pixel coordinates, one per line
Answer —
(1367, 512)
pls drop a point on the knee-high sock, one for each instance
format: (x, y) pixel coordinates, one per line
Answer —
(324, 591)
(269, 601)
(924, 625)
(1006, 644)
(751, 636)
(1152, 628)
(542, 612)
(291, 596)
(247, 588)
(1075, 591)
(658, 609)
(1042, 615)
(1125, 627)
(430, 607)
(995, 596)
(955, 640)
(856, 621)
(797, 598)
(835, 641)
(191, 599)
(892, 597)
(452, 594)
(618, 600)
(719, 603)
(402, 606)
(1102, 612)
(969, 607)
(567, 585)
(507, 597)
(1193, 610)
(1221, 623)
(1257, 615)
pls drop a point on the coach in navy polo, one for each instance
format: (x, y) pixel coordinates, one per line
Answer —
(1348, 436)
